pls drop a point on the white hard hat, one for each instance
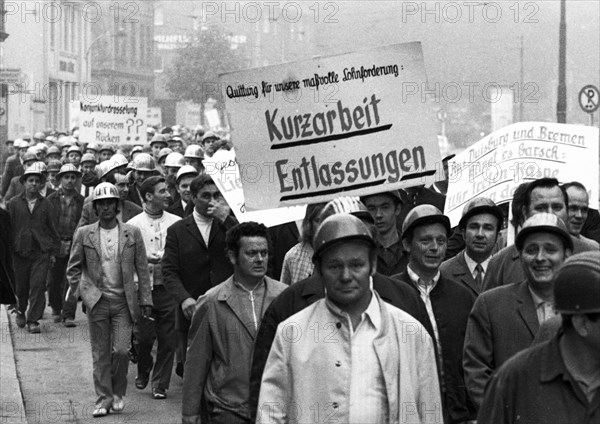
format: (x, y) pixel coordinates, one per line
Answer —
(106, 191)
(175, 160)
(186, 170)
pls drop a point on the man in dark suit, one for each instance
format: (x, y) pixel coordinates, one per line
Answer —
(480, 224)
(194, 259)
(283, 238)
(7, 274)
(505, 320)
(14, 165)
(424, 234)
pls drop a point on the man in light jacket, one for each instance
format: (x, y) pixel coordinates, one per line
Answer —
(104, 260)
(350, 357)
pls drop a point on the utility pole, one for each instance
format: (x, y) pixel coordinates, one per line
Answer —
(561, 104)
(521, 81)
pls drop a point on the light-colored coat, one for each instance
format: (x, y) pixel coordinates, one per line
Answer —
(84, 271)
(302, 382)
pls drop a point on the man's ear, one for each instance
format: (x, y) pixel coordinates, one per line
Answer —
(232, 257)
(406, 245)
(580, 324)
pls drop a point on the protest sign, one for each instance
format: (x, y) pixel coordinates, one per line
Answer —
(224, 170)
(154, 117)
(114, 120)
(494, 166)
(352, 124)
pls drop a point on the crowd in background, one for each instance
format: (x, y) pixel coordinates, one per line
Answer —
(144, 239)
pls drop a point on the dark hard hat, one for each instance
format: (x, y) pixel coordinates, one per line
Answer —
(478, 206)
(337, 228)
(424, 215)
(577, 284)
(544, 223)
(394, 194)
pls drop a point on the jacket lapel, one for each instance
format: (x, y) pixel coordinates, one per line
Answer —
(464, 274)
(94, 237)
(236, 305)
(123, 239)
(193, 229)
(526, 308)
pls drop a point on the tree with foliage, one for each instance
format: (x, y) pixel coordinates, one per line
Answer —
(194, 74)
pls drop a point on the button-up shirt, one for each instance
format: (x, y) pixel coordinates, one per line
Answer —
(471, 264)
(425, 291)
(543, 308)
(297, 264)
(368, 399)
(154, 234)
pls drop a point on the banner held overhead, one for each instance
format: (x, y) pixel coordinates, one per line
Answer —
(498, 163)
(311, 131)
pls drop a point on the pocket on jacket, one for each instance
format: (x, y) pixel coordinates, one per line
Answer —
(91, 255)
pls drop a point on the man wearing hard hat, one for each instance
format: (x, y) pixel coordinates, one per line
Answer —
(104, 260)
(36, 242)
(557, 381)
(505, 320)
(66, 206)
(351, 354)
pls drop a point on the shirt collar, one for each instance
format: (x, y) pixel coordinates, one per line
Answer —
(471, 264)
(537, 301)
(373, 311)
(415, 277)
(201, 218)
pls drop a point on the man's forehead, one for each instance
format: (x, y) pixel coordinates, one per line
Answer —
(209, 188)
(576, 193)
(546, 193)
(429, 229)
(252, 241)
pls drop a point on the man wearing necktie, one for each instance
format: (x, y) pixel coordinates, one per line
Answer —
(505, 320)
(480, 224)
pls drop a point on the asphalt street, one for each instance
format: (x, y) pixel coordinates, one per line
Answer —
(54, 375)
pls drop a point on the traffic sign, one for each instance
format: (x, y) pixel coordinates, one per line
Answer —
(589, 98)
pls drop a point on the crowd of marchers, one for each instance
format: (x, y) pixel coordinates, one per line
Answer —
(369, 310)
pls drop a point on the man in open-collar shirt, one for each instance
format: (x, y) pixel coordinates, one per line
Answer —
(350, 357)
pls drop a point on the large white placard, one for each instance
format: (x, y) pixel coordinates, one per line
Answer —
(352, 124)
(115, 120)
(224, 170)
(496, 165)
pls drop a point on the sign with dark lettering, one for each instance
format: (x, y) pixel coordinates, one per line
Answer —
(496, 165)
(311, 131)
(113, 120)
